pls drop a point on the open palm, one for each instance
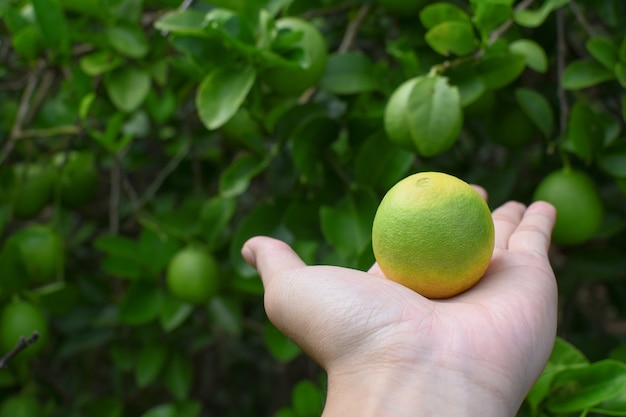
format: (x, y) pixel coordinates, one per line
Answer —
(496, 337)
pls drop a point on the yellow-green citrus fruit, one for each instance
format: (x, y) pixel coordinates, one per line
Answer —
(41, 252)
(192, 276)
(20, 405)
(577, 202)
(78, 177)
(403, 8)
(433, 233)
(32, 189)
(294, 80)
(396, 118)
(21, 319)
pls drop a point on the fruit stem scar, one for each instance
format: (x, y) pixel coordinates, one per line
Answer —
(424, 182)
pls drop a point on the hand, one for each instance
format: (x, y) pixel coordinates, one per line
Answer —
(390, 352)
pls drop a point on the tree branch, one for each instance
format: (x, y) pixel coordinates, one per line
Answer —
(21, 345)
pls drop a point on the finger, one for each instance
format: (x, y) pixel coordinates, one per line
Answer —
(270, 257)
(375, 270)
(480, 190)
(506, 218)
(534, 231)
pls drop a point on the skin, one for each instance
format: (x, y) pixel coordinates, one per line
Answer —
(389, 351)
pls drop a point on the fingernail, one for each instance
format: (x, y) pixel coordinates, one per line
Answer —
(248, 255)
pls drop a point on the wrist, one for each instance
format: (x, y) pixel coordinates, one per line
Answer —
(413, 393)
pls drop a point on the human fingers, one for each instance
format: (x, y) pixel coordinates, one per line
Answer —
(270, 257)
(506, 218)
(480, 190)
(534, 231)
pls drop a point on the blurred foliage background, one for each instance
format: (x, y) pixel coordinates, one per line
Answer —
(132, 131)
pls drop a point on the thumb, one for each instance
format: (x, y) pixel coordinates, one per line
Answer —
(270, 257)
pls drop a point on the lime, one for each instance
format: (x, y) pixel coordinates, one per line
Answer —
(32, 189)
(396, 115)
(433, 233)
(577, 202)
(78, 178)
(192, 276)
(312, 53)
(41, 252)
(21, 319)
(20, 405)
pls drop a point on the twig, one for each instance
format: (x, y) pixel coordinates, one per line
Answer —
(346, 43)
(353, 29)
(20, 118)
(162, 176)
(560, 66)
(582, 19)
(115, 195)
(495, 35)
(21, 345)
(52, 131)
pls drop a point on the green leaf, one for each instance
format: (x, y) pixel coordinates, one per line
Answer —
(613, 160)
(622, 50)
(221, 93)
(236, 178)
(534, 53)
(310, 141)
(490, 14)
(537, 109)
(182, 22)
(214, 217)
(574, 390)
(279, 345)
(27, 43)
(349, 73)
(265, 219)
(163, 410)
(499, 70)
(105, 407)
(141, 303)
(452, 37)
(582, 131)
(306, 399)
(620, 73)
(99, 62)
(127, 87)
(348, 225)
(615, 406)
(149, 364)
(128, 40)
(564, 356)
(155, 251)
(380, 164)
(52, 24)
(226, 313)
(435, 115)
(178, 376)
(585, 73)
(174, 313)
(437, 13)
(603, 50)
(534, 18)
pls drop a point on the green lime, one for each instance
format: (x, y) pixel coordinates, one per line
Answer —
(20, 405)
(41, 252)
(193, 276)
(32, 189)
(78, 177)
(21, 319)
(312, 52)
(577, 202)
